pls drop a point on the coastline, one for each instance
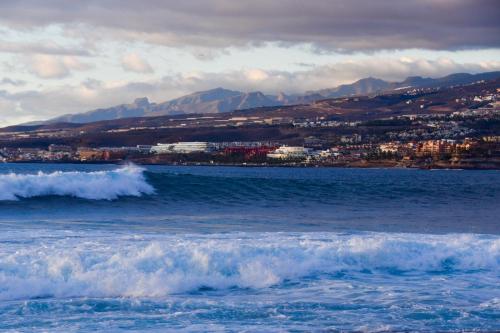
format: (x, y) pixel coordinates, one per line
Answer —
(362, 164)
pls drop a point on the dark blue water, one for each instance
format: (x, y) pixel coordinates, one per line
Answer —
(86, 248)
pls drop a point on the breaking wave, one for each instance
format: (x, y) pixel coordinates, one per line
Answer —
(156, 266)
(98, 185)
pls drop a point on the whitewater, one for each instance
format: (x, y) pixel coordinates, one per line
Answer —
(109, 185)
(104, 248)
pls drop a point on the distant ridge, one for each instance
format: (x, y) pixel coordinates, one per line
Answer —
(224, 100)
(210, 101)
(360, 87)
(372, 85)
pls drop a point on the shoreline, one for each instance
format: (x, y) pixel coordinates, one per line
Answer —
(353, 165)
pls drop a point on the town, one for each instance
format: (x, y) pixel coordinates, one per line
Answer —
(446, 153)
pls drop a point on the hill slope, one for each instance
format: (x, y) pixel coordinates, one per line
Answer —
(210, 101)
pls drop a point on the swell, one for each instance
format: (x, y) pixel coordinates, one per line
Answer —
(339, 188)
(97, 185)
(104, 265)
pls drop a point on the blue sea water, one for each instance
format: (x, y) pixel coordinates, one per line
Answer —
(87, 248)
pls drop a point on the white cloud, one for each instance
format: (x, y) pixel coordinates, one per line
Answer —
(132, 62)
(48, 67)
(73, 63)
(55, 67)
(256, 75)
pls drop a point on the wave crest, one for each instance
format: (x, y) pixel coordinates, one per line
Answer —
(146, 266)
(98, 185)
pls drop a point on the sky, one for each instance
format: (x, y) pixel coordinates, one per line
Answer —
(59, 56)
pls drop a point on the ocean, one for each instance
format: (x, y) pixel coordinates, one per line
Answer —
(86, 248)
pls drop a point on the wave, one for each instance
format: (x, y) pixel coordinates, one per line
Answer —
(84, 265)
(337, 188)
(98, 185)
(243, 187)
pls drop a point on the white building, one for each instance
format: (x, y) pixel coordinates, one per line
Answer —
(181, 148)
(144, 148)
(390, 147)
(289, 152)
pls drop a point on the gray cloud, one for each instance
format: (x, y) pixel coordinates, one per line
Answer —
(40, 48)
(355, 25)
(12, 82)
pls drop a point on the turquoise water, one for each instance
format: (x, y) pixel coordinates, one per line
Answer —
(107, 248)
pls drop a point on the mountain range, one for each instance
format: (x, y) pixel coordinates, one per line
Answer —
(223, 100)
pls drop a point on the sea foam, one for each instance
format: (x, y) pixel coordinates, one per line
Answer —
(98, 185)
(104, 265)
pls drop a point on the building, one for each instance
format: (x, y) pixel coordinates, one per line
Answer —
(181, 148)
(355, 138)
(248, 153)
(113, 155)
(435, 147)
(60, 148)
(289, 152)
(389, 147)
(89, 154)
(466, 145)
(492, 138)
(145, 149)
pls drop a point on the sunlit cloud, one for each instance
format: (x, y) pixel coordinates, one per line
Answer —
(132, 62)
(53, 67)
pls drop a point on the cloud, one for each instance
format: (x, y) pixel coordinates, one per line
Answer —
(346, 26)
(54, 67)
(48, 48)
(256, 75)
(132, 62)
(91, 94)
(16, 83)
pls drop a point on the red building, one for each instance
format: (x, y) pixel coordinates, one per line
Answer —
(248, 152)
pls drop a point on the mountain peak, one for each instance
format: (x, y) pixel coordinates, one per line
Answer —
(256, 93)
(412, 80)
(218, 90)
(369, 79)
(141, 102)
(281, 97)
